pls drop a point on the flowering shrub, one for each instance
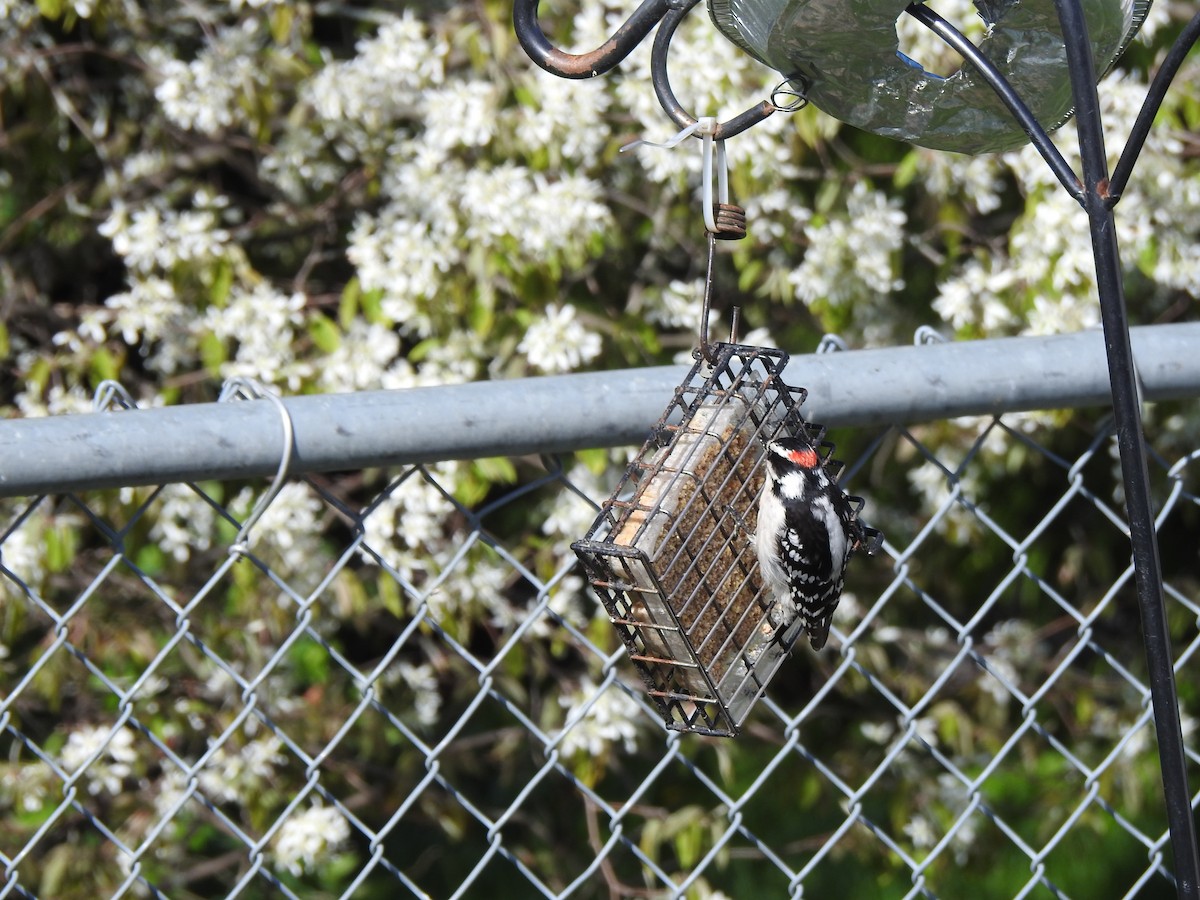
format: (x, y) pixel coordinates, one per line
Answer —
(267, 189)
(330, 197)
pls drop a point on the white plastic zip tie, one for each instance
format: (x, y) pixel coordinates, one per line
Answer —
(700, 126)
(705, 127)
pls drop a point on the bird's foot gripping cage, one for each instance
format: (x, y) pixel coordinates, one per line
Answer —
(672, 555)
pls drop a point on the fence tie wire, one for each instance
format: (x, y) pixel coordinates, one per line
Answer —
(249, 389)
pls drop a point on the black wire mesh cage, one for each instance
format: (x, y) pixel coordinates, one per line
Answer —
(672, 553)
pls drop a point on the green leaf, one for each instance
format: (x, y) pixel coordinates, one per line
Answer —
(372, 306)
(104, 366)
(39, 375)
(814, 126)
(348, 306)
(421, 349)
(497, 469)
(651, 838)
(749, 274)
(324, 333)
(311, 662)
(60, 548)
(524, 96)
(55, 868)
(282, 17)
(389, 595)
(151, 559)
(222, 283)
(595, 460)
(688, 844)
(52, 9)
(353, 597)
(482, 314)
(471, 489)
(907, 170)
(212, 353)
(827, 196)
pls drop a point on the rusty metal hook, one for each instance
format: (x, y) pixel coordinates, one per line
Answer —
(613, 51)
(705, 349)
(595, 62)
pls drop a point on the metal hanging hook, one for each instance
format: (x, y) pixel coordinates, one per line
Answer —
(595, 62)
(706, 350)
(666, 96)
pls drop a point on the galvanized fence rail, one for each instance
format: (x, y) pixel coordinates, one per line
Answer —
(382, 676)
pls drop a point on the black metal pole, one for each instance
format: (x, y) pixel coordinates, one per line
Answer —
(1128, 416)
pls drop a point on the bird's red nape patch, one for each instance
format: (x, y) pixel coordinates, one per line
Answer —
(807, 458)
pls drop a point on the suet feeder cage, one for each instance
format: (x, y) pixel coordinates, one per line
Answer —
(672, 555)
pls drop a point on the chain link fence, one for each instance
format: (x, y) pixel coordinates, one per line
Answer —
(391, 681)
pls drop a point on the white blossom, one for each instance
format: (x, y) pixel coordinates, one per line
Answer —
(264, 323)
(976, 180)
(460, 114)
(926, 730)
(851, 258)
(543, 216)
(421, 678)
(156, 237)
(407, 527)
(612, 718)
(59, 400)
(728, 82)
(153, 314)
(26, 787)
(24, 550)
(184, 524)
(568, 118)
(977, 295)
(380, 83)
(678, 305)
(203, 95)
(877, 732)
(114, 757)
(933, 487)
(308, 839)
(920, 831)
(405, 259)
(934, 55)
(289, 527)
(570, 516)
(366, 351)
(233, 776)
(559, 342)
(1010, 643)
(474, 581)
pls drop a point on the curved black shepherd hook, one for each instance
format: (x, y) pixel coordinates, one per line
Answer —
(666, 96)
(596, 62)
